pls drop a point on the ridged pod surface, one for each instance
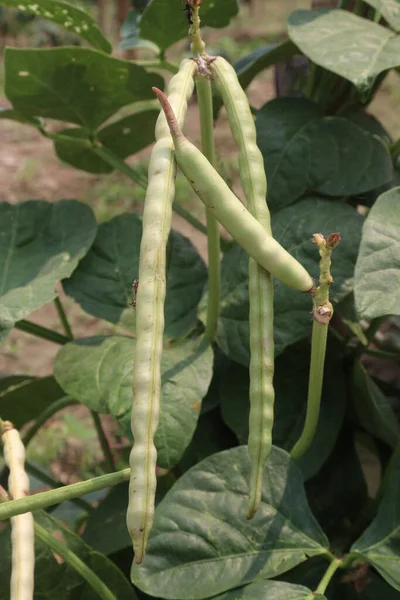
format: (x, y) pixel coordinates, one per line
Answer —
(261, 289)
(150, 315)
(22, 536)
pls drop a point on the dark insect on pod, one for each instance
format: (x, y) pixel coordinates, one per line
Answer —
(188, 11)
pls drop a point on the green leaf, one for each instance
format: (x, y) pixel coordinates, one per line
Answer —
(201, 543)
(164, 22)
(377, 274)
(98, 372)
(373, 408)
(337, 492)
(292, 227)
(124, 137)
(345, 44)
(273, 590)
(380, 543)
(25, 400)
(102, 284)
(130, 33)
(40, 243)
(252, 64)
(71, 17)
(106, 530)
(304, 150)
(390, 10)
(59, 580)
(291, 385)
(76, 85)
(13, 115)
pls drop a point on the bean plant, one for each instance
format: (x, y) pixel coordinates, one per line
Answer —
(265, 456)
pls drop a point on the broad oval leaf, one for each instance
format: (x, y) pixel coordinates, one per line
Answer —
(389, 9)
(273, 590)
(40, 243)
(57, 579)
(346, 44)
(292, 227)
(164, 22)
(201, 543)
(380, 543)
(102, 284)
(77, 85)
(98, 372)
(68, 16)
(291, 386)
(377, 274)
(373, 408)
(123, 137)
(303, 150)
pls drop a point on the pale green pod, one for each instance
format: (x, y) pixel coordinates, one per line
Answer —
(150, 315)
(22, 531)
(261, 289)
(231, 213)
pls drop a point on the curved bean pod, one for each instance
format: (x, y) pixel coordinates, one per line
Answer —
(230, 212)
(261, 289)
(22, 535)
(150, 315)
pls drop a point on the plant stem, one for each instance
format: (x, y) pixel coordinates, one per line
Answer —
(42, 332)
(395, 147)
(310, 82)
(57, 485)
(318, 349)
(329, 573)
(63, 317)
(48, 412)
(381, 354)
(105, 446)
(117, 163)
(99, 587)
(322, 314)
(166, 65)
(67, 492)
(204, 98)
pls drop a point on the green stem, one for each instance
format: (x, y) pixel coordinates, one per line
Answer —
(381, 354)
(329, 573)
(57, 485)
(108, 455)
(67, 492)
(322, 314)
(204, 98)
(166, 65)
(395, 147)
(318, 349)
(69, 557)
(117, 163)
(48, 412)
(358, 9)
(42, 332)
(63, 318)
(310, 82)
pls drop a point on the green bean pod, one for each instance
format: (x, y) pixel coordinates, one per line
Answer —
(261, 289)
(230, 212)
(150, 315)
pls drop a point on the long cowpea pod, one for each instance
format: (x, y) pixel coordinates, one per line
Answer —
(22, 532)
(230, 212)
(261, 289)
(150, 315)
